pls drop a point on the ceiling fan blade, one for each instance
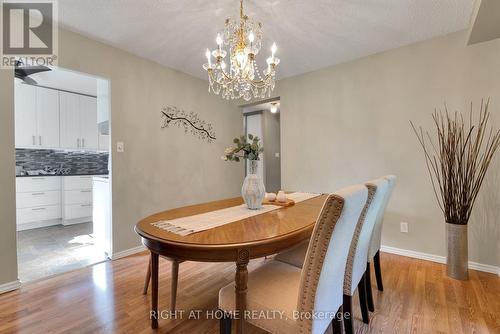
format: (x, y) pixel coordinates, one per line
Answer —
(29, 81)
(29, 70)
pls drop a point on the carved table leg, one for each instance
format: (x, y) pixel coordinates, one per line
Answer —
(154, 290)
(241, 280)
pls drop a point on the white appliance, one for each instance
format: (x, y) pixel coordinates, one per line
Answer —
(101, 213)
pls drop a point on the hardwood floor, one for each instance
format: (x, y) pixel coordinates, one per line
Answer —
(107, 298)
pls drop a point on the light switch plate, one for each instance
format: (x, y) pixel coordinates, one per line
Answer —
(404, 227)
(276, 155)
(120, 147)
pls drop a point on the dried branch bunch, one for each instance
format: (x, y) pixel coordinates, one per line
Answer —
(458, 162)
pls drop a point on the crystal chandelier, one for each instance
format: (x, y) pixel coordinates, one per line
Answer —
(240, 77)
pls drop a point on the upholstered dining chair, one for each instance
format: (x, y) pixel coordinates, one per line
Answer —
(173, 283)
(318, 286)
(355, 272)
(375, 242)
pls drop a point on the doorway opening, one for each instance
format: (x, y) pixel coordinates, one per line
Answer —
(263, 120)
(63, 171)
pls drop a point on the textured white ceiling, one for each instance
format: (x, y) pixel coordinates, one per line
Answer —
(311, 34)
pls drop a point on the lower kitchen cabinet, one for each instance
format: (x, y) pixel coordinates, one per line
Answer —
(52, 200)
(38, 202)
(40, 216)
(77, 199)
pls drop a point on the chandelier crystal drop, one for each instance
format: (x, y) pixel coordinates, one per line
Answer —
(240, 76)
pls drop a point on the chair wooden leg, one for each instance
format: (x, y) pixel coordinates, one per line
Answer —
(148, 278)
(347, 314)
(225, 324)
(378, 271)
(337, 322)
(362, 300)
(173, 284)
(369, 294)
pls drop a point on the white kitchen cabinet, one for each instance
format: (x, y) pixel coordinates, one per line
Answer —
(77, 199)
(25, 110)
(69, 120)
(88, 122)
(37, 117)
(36, 217)
(77, 182)
(77, 196)
(38, 198)
(47, 115)
(104, 142)
(52, 200)
(77, 213)
(48, 118)
(38, 202)
(78, 123)
(37, 183)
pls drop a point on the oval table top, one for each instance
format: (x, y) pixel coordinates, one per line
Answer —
(260, 235)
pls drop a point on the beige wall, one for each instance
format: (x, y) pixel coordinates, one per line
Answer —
(8, 261)
(340, 125)
(350, 123)
(160, 168)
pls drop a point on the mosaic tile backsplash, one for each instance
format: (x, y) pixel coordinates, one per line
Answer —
(71, 162)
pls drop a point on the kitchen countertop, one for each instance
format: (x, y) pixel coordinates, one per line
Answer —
(46, 175)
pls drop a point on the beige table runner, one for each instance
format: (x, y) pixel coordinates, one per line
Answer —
(192, 224)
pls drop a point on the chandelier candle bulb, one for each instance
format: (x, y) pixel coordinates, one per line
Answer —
(207, 54)
(219, 41)
(273, 50)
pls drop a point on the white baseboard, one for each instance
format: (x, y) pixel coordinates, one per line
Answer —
(10, 286)
(127, 252)
(439, 259)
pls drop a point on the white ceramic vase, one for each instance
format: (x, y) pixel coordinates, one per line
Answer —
(253, 190)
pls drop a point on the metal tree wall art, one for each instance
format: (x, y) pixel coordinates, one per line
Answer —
(173, 116)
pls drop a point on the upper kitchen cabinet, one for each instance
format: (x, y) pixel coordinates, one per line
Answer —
(47, 115)
(88, 122)
(37, 117)
(25, 104)
(78, 121)
(70, 120)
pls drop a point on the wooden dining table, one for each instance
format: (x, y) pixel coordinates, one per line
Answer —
(240, 241)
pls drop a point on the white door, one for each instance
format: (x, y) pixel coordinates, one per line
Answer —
(88, 122)
(47, 110)
(25, 115)
(69, 107)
